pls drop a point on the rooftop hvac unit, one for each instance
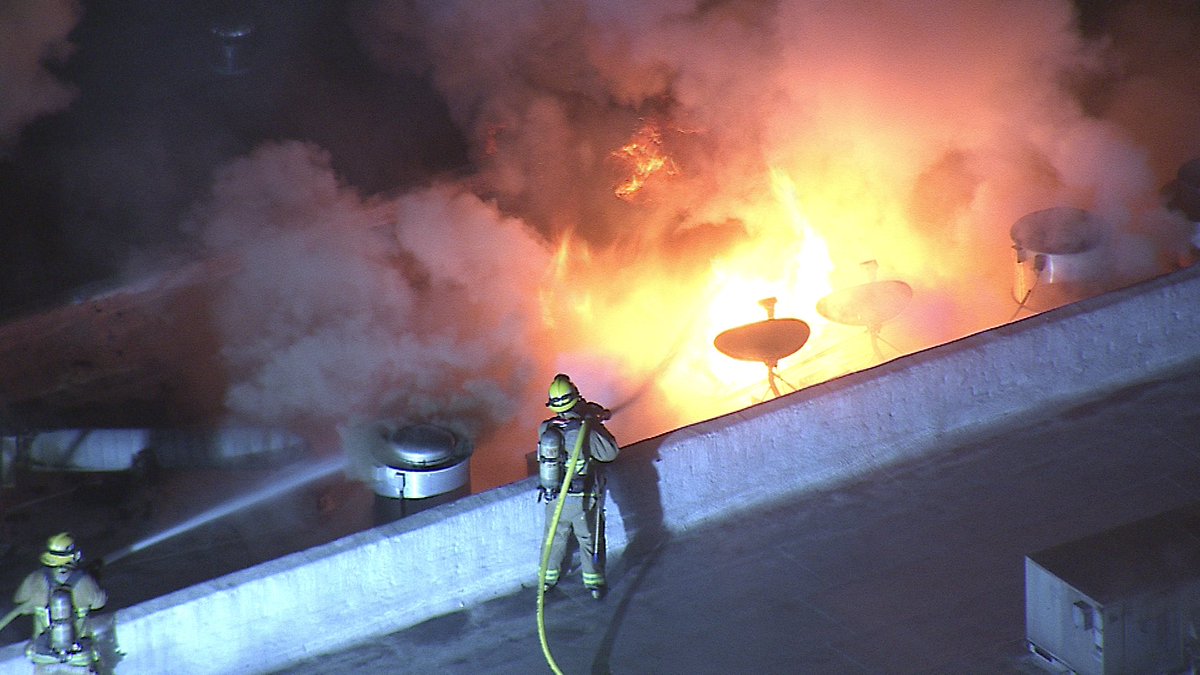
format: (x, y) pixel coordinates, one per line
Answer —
(1126, 600)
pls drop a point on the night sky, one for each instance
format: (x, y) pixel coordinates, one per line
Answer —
(156, 103)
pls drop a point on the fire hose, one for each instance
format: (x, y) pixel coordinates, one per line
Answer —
(550, 530)
(7, 619)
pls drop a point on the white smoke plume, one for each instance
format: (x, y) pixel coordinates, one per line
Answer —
(337, 309)
(911, 135)
(916, 135)
(902, 98)
(35, 35)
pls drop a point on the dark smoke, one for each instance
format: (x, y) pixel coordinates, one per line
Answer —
(35, 37)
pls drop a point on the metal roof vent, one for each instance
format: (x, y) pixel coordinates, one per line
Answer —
(1062, 257)
(421, 461)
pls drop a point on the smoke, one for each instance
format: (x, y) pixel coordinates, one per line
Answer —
(620, 169)
(35, 36)
(868, 96)
(337, 308)
(1152, 91)
(914, 135)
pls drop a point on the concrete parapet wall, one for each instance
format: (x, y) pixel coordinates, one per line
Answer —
(487, 545)
(845, 427)
(373, 582)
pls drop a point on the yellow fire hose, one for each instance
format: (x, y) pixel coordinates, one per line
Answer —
(541, 593)
(16, 611)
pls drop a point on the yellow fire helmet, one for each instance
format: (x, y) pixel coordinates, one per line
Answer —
(563, 394)
(60, 550)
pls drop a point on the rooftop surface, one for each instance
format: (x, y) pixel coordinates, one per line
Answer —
(876, 523)
(917, 568)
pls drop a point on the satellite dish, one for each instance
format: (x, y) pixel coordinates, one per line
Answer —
(869, 305)
(764, 341)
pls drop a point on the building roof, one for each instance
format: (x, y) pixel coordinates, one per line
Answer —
(912, 568)
(1152, 555)
(876, 523)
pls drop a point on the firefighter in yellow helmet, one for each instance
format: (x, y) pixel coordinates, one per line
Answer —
(583, 511)
(60, 596)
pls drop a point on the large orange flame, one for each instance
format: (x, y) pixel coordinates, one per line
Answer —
(646, 323)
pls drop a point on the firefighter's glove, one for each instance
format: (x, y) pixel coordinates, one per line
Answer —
(545, 494)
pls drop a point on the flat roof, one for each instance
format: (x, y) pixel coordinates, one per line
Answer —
(1153, 554)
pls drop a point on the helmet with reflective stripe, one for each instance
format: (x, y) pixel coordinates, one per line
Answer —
(563, 394)
(60, 550)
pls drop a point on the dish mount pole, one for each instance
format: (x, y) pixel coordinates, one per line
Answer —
(773, 363)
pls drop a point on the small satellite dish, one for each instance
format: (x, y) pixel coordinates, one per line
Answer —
(764, 341)
(868, 304)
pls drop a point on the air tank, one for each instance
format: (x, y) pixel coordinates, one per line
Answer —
(61, 613)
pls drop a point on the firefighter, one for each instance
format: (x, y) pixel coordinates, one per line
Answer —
(583, 508)
(60, 596)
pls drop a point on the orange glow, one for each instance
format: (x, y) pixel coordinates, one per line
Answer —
(651, 325)
(491, 140)
(645, 156)
(561, 298)
(797, 218)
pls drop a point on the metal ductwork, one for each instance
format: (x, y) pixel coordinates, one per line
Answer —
(1062, 257)
(110, 450)
(1185, 191)
(1184, 196)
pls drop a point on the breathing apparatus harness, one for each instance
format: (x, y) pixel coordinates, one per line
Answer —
(585, 480)
(61, 641)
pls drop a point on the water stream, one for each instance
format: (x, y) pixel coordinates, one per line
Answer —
(282, 484)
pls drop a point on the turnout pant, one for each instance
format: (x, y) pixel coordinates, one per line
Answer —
(578, 516)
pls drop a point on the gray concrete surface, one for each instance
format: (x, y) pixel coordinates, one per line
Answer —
(108, 513)
(913, 568)
(721, 493)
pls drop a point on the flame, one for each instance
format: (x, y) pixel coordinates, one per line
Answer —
(788, 261)
(636, 318)
(796, 228)
(645, 156)
(559, 291)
